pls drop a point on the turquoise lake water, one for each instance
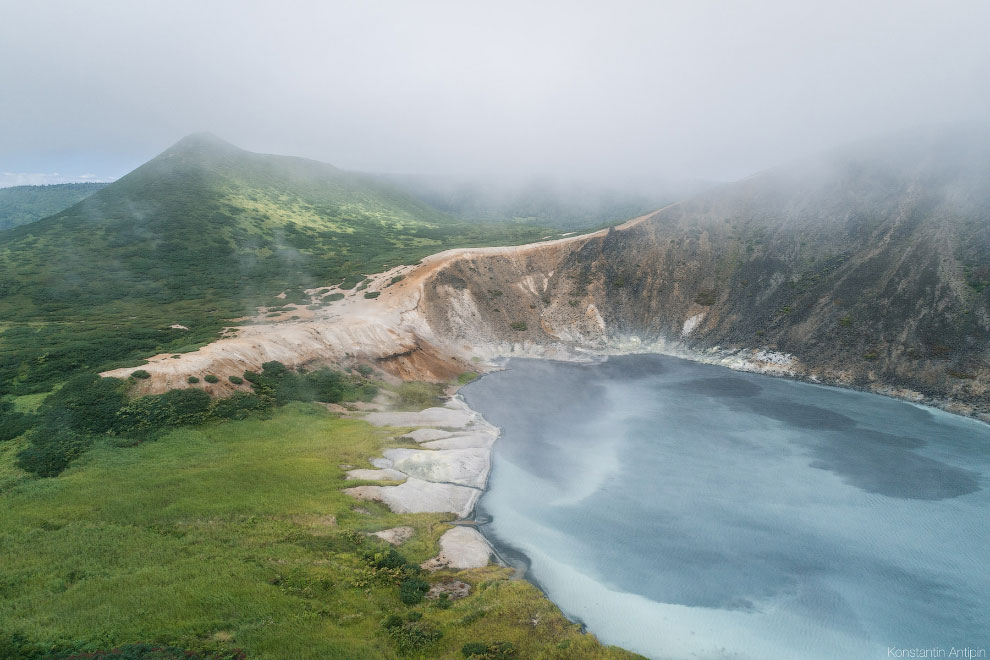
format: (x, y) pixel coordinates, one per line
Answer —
(685, 511)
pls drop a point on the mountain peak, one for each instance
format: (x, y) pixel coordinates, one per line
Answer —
(201, 144)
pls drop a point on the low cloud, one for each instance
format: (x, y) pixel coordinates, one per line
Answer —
(687, 89)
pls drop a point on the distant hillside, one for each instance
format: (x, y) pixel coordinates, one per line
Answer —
(560, 204)
(870, 265)
(196, 236)
(21, 205)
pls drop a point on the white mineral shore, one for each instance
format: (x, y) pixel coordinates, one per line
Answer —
(463, 467)
(386, 474)
(426, 435)
(447, 475)
(460, 548)
(453, 416)
(419, 496)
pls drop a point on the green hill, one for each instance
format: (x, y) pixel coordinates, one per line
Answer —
(198, 235)
(22, 205)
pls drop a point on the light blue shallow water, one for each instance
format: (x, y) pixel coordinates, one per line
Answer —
(688, 511)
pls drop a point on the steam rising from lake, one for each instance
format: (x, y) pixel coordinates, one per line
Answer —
(683, 510)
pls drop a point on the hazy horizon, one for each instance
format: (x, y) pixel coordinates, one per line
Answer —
(636, 92)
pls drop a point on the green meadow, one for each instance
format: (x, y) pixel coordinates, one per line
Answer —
(235, 537)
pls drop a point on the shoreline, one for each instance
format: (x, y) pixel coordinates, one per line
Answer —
(430, 422)
(521, 562)
(447, 472)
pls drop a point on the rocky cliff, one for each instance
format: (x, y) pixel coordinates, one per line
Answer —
(868, 267)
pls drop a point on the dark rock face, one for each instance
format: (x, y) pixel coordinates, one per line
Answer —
(870, 265)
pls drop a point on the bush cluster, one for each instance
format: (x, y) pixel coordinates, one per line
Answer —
(13, 423)
(410, 634)
(282, 385)
(88, 406)
(390, 564)
(413, 589)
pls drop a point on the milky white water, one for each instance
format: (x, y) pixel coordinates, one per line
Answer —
(687, 511)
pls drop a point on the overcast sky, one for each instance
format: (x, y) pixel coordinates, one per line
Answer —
(609, 90)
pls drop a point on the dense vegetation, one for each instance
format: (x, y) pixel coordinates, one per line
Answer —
(182, 526)
(87, 408)
(199, 235)
(22, 205)
(235, 538)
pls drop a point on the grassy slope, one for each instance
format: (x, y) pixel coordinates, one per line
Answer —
(197, 236)
(220, 536)
(22, 205)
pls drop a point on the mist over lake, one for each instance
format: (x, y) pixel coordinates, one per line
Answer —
(684, 510)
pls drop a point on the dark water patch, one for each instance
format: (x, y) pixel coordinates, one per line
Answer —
(883, 463)
(800, 415)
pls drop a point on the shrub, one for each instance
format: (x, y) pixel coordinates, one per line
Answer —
(51, 450)
(67, 419)
(372, 294)
(239, 406)
(85, 404)
(365, 370)
(236, 380)
(392, 621)
(15, 645)
(466, 377)
(281, 385)
(140, 374)
(210, 378)
(518, 325)
(412, 590)
(274, 369)
(192, 380)
(387, 558)
(13, 423)
(161, 411)
(334, 297)
(413, 636)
